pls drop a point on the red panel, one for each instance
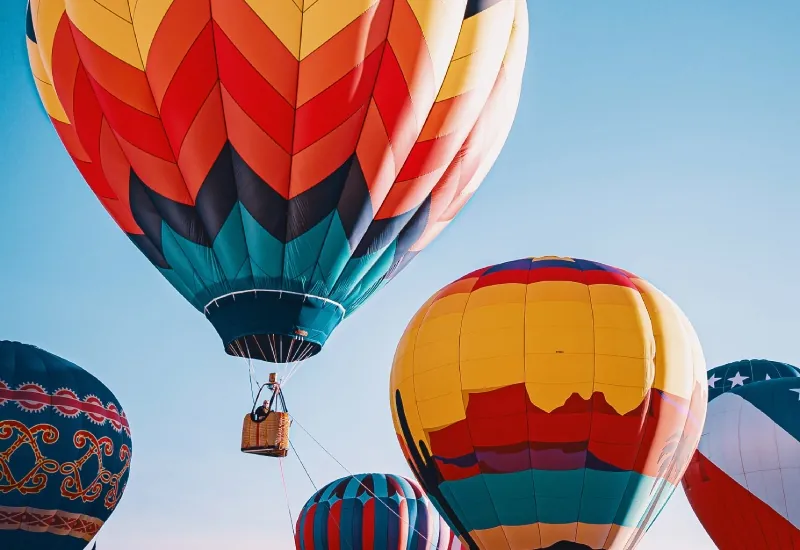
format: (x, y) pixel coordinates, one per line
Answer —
(253, 93)
(258, 44)
(183, 22)
(368, 525)
(393, 101)
(733, 517)
(65, 65)
(337, 103)
(203, 142)
(137, 127)
(334, 520)
(189, 88)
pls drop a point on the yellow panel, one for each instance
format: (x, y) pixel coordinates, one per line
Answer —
(675, 370)
(454, 303)
(623, 342)
(553, 533)
(622, 399)
(410, 407)
(623, 371)
(45, 23)
(328, 18)
(559, 339)
(490, 25)
(120, 8)
(494, 317)
(51, 102)
(113, 34)
(437, 382)
(557, 291)
(435, 354)
(306, 3)
(480, 68)
(283, 18)
(593, 535)
(146, 19)
(551, 396)
(440, 22)
(441, 411)
(35, 60)
(522, 537)
(559, 368)
(494, 294)
(495, 372)
(490, 343)
(440, 328)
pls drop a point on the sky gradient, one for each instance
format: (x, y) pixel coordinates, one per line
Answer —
(661, 138)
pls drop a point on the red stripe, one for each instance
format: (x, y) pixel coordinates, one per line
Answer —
(62, 401)
(334, 521)
(368, 525)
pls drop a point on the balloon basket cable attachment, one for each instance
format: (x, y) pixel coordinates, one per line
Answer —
(267, 435)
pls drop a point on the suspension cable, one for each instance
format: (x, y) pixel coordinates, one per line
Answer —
(286, 493)
(367, 489)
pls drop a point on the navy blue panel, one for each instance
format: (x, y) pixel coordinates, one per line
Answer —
(145, 213)
(381, 233)
(312, 206)
(523, 264)
(414, 229)
(218, 195)
(181, 218)
(355, 205)
(265, 204)
(474, 7)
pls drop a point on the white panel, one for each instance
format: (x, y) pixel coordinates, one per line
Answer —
(767, 485)
(791, 484)
(720, 443)
(757, 438)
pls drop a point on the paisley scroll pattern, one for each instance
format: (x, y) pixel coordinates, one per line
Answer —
(36, 478)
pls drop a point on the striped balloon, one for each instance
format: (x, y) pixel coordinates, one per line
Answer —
(279, 161)
(744, 479)
(372, 512)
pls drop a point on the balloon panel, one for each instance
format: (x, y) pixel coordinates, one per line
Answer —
(549, 401)
(65, 451)
(307, 150)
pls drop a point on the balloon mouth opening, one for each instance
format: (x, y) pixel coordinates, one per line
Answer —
(277, 326)
(273, 348)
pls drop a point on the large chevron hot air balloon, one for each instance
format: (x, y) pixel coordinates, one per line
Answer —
(743, 480)
(372, 512)
(549, 403)
(280, 160)
(65, 451)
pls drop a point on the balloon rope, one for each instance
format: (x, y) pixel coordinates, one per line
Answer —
(367, 489)
(286, 493)
(314, 485)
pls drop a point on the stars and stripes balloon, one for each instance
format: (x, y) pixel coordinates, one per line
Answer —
(549, 403)
(279, 161)
(65, 451)
(372, 512)
(744, 479)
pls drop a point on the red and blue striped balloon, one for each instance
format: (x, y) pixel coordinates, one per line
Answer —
(372, 512)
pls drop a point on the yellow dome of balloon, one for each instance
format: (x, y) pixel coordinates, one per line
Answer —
(549, 400)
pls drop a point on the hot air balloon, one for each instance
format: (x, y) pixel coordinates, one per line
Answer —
(743, 478)
(373, 512)
(549, 403)
(280, 161)
(65, 451)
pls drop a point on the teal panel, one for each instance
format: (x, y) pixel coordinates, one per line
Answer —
(266, 252)
(513, 497)
(230, 249)
(300, 260)
(335, 254)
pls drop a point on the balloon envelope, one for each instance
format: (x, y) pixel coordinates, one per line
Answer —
(743, 479)
(279, 162)
(65, 451)
(373, 512)
(549, 403)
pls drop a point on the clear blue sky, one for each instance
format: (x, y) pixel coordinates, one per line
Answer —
(662, 137)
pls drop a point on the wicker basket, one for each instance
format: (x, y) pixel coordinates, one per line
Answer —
(267, 438)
